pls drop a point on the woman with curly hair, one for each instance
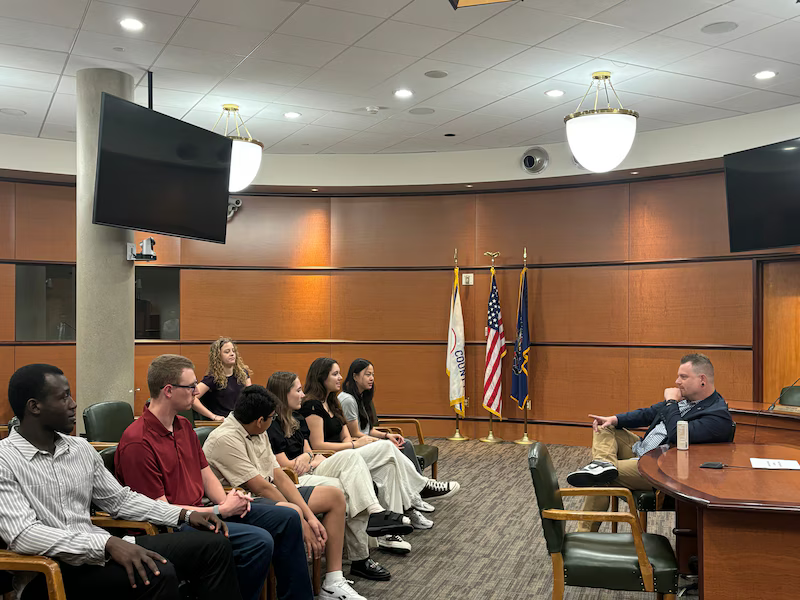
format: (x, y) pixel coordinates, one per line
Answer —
(227, 376)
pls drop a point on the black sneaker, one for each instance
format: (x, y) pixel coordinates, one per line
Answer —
(439, 489)
(369, 569)
(597, 472)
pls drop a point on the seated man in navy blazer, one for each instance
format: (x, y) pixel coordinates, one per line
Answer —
(616, 451)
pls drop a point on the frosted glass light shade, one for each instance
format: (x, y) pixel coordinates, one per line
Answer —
(245, 162)
(600, 141)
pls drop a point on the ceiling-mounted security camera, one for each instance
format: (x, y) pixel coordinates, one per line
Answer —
(535, 160)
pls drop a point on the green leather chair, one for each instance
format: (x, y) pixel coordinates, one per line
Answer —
(189, 414)
(790, 396)
(106, 421)
(427, 455)
(635, 561)
(107, 454)
(203, 433)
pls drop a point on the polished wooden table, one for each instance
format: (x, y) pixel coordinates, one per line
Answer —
(743, 524)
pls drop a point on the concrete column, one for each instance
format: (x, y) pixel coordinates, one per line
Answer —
(105, 279)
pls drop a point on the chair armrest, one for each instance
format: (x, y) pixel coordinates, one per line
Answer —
(292, 475)
(396, 430)
(108, 523)
(413, 422)
(207, 424)
(556, 514)
(11, 561)
(103, 445)
(599, 491)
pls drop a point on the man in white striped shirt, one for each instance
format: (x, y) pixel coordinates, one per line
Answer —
(48, 479)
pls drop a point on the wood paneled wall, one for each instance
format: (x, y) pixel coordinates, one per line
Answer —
(781, 341)
(611, 310)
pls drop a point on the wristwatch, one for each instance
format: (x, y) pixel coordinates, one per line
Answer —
(216, 511)
(186, 516)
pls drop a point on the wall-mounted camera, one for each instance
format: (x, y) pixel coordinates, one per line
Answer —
(147, 253)
(535, 160)
(234, 204)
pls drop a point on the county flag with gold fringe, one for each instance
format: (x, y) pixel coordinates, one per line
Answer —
(519, 372)
(456, 366)
(495, 351)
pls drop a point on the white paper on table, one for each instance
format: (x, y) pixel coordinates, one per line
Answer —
(771, 463)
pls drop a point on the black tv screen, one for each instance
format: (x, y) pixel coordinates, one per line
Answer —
(763, 190)
(159, 174)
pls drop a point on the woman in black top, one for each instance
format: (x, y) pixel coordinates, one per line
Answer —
(226, 378)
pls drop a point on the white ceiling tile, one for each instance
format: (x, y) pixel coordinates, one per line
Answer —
(758, 100)
(497, 83)
(58, 132)
(406, 38)
(276, 112)
(167, 98)
(574, 8)
(457, 99)
(64, 13)
(546, 120)
(348, 121)
(653, 15)
(218, 37)
(265, 15)
(393, 126)
(247, 108)
(172, 7)
(99, 45)
(442, 15)
(516, 108)
(787, 87)
(325, 100)
(477, 51)
(104, 17)
(33, 102)
(735, 67)
(203, 118)
(592, 39)
(170, 111)
(376, 8)
(501, 138)
(440, 116)
(620, 71)
(557, 136)
(32, 59)
(67, 85)
(297, 50)
(783, 9)
(314, 138)
(524, 25)
(375, 141)
(647, 124)
(76, 63)
(21, 126)
(268, 71)
(681, 87)
(673, 111)
(468, 126)
(540, 101)
(63, 110)
(748, 22)
(541, 62)
(197, 61)
(655, 51)
(778, 41)
(171, 79)
(269, 131)
(328, 25)
(36, 35)
(32, 80)
(348, 148)
(371, 62)
(341, 82)
(414, 78)
(251, 90)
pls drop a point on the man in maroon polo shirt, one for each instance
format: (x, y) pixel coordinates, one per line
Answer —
(159, 455)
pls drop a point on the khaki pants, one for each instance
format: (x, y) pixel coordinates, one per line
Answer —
(614, 446)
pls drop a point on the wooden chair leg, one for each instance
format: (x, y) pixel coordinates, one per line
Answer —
(665, 596)
(316, 578)
(643, 520)
(614, 508)
(435, 469)
(558, 575)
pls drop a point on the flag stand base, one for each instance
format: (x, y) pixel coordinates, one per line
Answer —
(457, 437)
(524, 440)
(491, 439)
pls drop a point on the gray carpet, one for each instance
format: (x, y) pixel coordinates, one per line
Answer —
(487, 540)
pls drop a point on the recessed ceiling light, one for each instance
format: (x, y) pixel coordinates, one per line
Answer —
(421, 111)
(314, 189)
(13, 112)
(554, 93)
(292, 115)
(765, 74)
(132, 24)
(403, 93)
(634, 172)
(436, 74)
(468, 185)
(449, 135)
(719, 27)
(790, 148)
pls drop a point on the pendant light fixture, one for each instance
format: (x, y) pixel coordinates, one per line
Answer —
(246, 152)
(600, 138)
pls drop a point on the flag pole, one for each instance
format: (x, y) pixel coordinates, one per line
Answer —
(457, 437)
(525, 440)
(491, 438)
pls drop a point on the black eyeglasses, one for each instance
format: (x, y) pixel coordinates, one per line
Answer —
(191, 386)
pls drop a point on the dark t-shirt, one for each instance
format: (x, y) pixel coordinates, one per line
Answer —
(221, 402)
(292, 445)
(331, 426)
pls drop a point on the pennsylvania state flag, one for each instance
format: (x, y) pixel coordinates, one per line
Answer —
(519, 371)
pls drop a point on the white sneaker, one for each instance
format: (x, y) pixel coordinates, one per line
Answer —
(418, 521)
(339, 590)
(394, 543)
(422, 506)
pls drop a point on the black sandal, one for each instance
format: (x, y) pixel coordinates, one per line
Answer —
(387, 523)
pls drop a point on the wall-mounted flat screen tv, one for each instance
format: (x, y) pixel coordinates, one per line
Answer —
(159, 174)
(763, 190)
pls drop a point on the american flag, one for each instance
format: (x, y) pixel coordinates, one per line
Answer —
(495, 351)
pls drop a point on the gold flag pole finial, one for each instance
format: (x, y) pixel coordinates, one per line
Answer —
(491, 438)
